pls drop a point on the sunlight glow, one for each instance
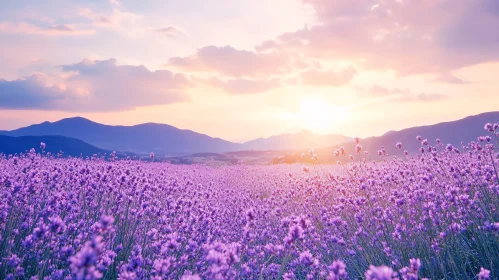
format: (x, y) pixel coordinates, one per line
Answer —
(317, 115)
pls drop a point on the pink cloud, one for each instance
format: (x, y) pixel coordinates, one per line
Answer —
(398, 94)
(243, 85)
(170, 31)
(448, 78)
(52, 30)
(395, 35)
(95, 86)
(375, 35)
(115, 19)
(233, 62)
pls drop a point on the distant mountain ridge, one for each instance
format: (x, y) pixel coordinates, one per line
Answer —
(10, 145)
(169, 140)
(142, 138)
(165, 139)
(452, 132)
(304, 139)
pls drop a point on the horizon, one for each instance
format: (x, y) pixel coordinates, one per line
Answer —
(240, 70)
(261, 137)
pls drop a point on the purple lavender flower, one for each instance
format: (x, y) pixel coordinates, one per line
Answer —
(56, 224)
(189, 276)
(484, 274)
(295, 233)
(494, 227)
(358, 148)
(415, 265)
(13, 260)
(83, 264)
(337, 271)
(106, 222)
(380, 273)
(162, 266)
(306, 258)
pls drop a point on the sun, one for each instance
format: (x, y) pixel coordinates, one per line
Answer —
(317, 115)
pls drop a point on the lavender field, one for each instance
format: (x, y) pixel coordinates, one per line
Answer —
(407, 216)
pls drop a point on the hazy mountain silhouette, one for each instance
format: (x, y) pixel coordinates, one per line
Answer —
(166, 139)
(54, 144)
(304, 139)
(142, 138)
(453, 132)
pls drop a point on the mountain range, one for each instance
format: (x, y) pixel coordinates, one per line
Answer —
(54, 144)
(304, 139)
(141, 139)
(168, 140)
(453, 132)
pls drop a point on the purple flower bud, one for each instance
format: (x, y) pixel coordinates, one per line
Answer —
(337, 270)
(306, 258)
(484, 274)
(380, 273)
(295, 233)
(56, 224)
(358, 148)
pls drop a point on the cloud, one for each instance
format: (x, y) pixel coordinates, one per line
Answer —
(233, 62)
(116, 19)
(170, 31)
(391, 34)
(329, 78)
(95, 86)
(448, 78)
(378, 91)
(244, 86)
(423, 97)
(397, 94)
(372, 35)
(52, 30)
(31, 92)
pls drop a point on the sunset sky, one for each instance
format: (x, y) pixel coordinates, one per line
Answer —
(249, 68)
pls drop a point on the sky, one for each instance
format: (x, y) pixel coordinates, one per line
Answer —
(245, 69)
